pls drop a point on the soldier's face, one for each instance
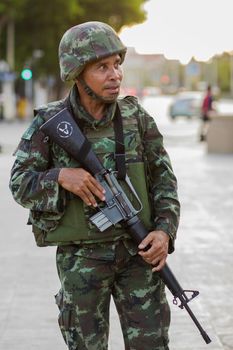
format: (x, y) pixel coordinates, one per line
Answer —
(104, 77)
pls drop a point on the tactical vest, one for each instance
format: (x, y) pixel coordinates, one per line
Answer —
(74, 226)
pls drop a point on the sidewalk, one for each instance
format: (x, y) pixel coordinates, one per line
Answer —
(203, 259)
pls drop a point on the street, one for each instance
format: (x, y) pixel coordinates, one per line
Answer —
(202, 261)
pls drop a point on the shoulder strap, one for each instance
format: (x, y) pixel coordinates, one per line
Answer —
(119, 136)
(86, 146)
(120, 147)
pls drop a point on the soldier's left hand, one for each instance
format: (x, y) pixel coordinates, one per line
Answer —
(157, 243)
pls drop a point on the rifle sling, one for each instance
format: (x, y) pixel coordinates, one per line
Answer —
(120, 147)
(119, 137)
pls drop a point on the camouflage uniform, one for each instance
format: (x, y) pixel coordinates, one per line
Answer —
(91, 270)
(90, 275)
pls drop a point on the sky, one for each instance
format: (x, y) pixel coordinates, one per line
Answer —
(182, 29)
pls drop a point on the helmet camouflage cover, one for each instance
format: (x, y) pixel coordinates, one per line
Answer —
(85, 43)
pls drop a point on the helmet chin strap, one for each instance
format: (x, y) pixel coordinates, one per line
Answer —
(92, 94)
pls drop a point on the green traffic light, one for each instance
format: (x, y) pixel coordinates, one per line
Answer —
(26, 74)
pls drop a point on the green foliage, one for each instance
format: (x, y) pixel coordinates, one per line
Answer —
(41, 28)
(116, 13)
(10, 9)
(40, 25)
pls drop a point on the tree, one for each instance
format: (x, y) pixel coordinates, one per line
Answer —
(8, 11)
(116, 13)
(41, 24)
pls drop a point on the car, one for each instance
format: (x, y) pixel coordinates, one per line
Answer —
(186, 104)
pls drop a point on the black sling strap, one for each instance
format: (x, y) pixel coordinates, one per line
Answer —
(119, 155)
(120, 146)
(86, 146)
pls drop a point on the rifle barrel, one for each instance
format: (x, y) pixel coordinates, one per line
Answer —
(197, 323)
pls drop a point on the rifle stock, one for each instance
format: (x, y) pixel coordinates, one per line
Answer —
(63, 130)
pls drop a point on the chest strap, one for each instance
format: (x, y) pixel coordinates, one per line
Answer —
(119, 154)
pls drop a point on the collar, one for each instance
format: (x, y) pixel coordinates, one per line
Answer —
(80, 112)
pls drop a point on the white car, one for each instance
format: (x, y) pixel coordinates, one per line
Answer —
(186, 104)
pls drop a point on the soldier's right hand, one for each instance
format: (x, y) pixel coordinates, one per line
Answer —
(82, 184)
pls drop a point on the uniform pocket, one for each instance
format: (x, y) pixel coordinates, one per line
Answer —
(66, 317)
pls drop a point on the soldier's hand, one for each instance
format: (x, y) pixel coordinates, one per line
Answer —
(82, 184)
(156, 254)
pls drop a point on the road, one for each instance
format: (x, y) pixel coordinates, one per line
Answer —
(203, 259)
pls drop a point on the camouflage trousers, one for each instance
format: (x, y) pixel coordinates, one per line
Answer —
(89, 276)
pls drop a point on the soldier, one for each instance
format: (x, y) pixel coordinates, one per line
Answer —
(61, 196)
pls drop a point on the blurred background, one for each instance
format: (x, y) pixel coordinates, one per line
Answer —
(175, 50)
(172, 47)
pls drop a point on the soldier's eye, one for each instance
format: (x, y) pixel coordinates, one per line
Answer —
(102, 67)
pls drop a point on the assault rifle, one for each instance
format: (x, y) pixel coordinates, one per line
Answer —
(63, 130)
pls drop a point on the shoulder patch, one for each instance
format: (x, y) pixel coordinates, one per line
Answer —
(31, 129)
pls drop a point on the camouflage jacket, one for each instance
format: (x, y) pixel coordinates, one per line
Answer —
(35, 172)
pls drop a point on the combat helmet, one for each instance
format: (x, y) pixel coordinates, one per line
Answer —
(85, 43)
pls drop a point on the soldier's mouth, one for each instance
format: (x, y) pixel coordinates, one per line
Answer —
(113, 89)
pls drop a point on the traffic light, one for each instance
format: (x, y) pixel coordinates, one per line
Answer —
(26, 74)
